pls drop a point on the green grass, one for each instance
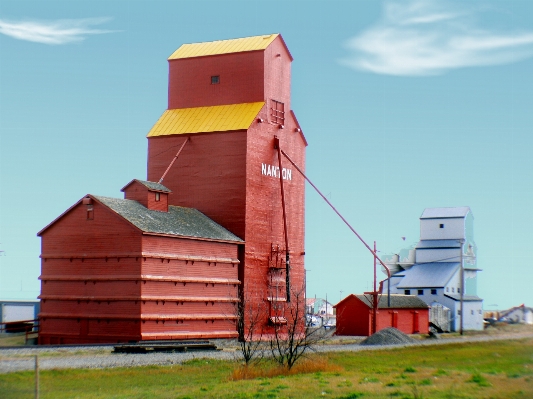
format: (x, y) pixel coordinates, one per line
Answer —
(12, 339)
(498, 370)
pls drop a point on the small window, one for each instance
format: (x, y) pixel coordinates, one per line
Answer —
(420, 292)
(472, 312)
(157, 197)
(215, 80)
(277, 112)
(453, 289)
(407, 292)
(447, 289)
(479, 311)
(458, 290)
(90, 212)
(459, 312)
(433, 292)
(441, 225)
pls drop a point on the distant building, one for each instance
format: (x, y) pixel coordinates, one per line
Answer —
(432, 269)
(318, 306)
(519, 314)
(18, 310)
(407, 313)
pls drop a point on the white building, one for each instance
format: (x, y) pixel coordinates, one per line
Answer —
(432, 269)
(519, 314)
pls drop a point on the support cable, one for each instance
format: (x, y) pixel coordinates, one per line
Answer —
(345, 221)
(173, 160)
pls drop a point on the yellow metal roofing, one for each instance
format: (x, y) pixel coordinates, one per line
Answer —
(218, 118)
(223, 46)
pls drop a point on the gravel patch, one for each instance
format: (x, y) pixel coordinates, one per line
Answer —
(388, 336)
(81, 357)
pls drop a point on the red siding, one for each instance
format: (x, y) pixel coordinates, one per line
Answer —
(241, 80)
(209, 175)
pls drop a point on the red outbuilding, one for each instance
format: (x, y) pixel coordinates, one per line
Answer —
(407, 313)
(216, 150)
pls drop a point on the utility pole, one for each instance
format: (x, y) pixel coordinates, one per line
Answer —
(462, 241)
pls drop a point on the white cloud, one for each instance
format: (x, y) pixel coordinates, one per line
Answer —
(53, 32)
(430, 37)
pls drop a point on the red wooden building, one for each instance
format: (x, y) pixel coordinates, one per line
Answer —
(407, 313)
(119, 270)
(228, 104)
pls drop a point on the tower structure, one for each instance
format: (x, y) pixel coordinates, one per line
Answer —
(229, 100)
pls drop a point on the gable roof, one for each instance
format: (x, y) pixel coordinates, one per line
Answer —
(217, 47)
(178, 221)
(150, 185)
(397, 301)
(428, 275)
(218, 118)
(442, 213)
(522, 308)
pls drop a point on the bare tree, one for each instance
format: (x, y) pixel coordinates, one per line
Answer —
(292, 338)
(250, 317)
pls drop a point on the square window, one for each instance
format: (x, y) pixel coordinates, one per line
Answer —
(441, 225)
(420, 292)
(407, 292)
(215, 80)
(277, 112)
(433, 292)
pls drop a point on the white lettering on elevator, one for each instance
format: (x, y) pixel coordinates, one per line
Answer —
(271, 170)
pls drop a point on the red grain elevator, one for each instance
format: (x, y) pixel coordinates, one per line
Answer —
(230, 99)
(211, 232)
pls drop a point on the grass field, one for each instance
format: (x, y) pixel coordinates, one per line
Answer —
(498, 369)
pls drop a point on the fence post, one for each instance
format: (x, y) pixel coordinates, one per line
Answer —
(36, 377)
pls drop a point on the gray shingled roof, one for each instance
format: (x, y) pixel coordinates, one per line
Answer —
(396, 301)
(429, 275)
(150, 185)
(437, 213)
(179, 221)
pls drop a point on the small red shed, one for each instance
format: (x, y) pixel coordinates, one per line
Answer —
(133, 269)
(407, 313)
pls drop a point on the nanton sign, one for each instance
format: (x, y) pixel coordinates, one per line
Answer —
(272, 170)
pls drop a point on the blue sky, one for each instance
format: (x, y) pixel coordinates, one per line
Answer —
(405, 105)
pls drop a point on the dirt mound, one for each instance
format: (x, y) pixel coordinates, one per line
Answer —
(388, 336)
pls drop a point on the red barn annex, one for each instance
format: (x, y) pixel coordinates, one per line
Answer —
(407, 313)
(171, 259)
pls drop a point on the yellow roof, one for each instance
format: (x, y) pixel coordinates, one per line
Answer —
(223, 46)
(218, 118)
